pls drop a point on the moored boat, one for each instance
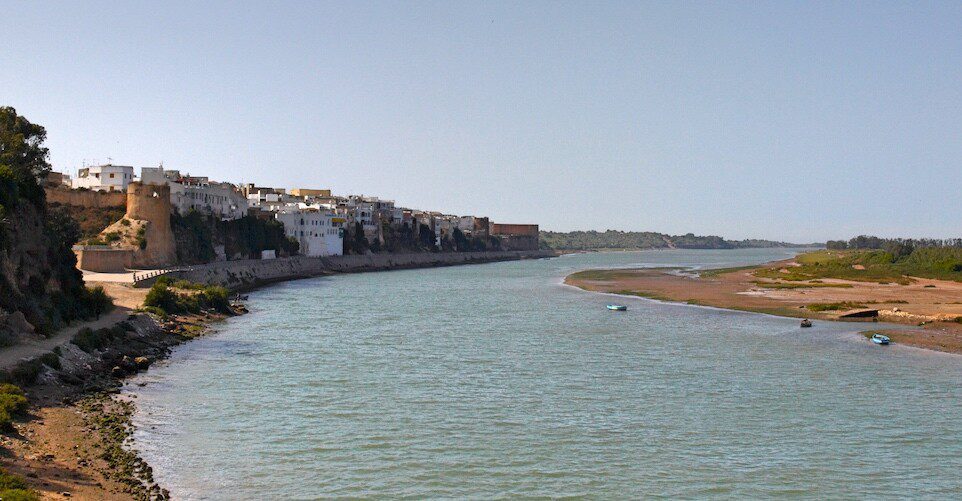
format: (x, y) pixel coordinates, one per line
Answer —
(617, 307)
(880, 339)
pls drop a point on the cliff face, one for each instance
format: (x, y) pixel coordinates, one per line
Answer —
(38, 277)
(40, 287)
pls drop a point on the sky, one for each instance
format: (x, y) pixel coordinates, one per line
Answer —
(798, 121)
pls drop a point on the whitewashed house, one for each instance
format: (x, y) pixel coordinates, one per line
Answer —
(107, 177)
(318, 230)
(222, 200)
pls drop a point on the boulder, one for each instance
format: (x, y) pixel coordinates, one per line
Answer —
(17, 323)
(142, 362)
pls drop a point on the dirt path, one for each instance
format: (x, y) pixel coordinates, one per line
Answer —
(12, 355)
(125, 298)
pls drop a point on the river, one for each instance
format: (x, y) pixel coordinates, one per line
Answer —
(497, 381)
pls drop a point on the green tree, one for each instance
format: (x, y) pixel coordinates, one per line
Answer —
(23, 158)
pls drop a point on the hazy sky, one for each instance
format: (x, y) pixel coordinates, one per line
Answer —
(802, 121)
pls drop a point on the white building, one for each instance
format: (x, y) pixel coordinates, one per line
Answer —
(317, 229)
(221, 200)
(107, 177)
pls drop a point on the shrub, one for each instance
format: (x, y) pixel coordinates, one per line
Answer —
(89, 340)
(164, 298)
(12, 402)
(26, 372)
(51, 360)
(9, 481)
(160, 296)
(18, 495)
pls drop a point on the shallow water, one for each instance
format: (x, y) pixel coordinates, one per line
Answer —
(496, 381)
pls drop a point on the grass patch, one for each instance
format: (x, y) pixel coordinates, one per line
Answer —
(879, 266)
(14, 488)
(12, 403)
(840, 306)
(723, 271)
(804, 285)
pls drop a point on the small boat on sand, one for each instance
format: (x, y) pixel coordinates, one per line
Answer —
(617, 307)
(806, 323)
(880, 339)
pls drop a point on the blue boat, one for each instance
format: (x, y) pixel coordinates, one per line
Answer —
(880, 339)
(617, 307)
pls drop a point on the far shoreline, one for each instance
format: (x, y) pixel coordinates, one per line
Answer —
(736, 289)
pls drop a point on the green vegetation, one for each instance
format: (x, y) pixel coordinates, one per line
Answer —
(602, 275)
(91, 220)
(196, 236)
(35, 240)
(723, 271)
(943, 263)
(90, 340)
(192, 298)
(611, 239)
(12, 403)
(843, 305)
(799, 285)
(14, 488)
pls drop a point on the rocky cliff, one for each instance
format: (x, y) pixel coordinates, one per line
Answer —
(40, 287)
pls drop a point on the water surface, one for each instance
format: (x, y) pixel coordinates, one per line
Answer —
(496, 381)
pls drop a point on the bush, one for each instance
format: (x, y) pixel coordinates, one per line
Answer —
(89, 340)
(160, 296)
(12, 402)
(51, 360)
(18, 495)
(163, 298)
(26, 372)
(9, 481)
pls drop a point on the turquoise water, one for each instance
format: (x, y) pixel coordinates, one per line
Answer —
(496, 381)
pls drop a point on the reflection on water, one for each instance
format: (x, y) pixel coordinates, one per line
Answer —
(497, 381)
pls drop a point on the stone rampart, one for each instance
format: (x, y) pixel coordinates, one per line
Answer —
(246, 274)
(86, 198)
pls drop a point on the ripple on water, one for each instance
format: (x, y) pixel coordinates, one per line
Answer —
(494, 381)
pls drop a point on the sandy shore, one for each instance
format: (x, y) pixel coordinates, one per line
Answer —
(74, 442)
(933, 303)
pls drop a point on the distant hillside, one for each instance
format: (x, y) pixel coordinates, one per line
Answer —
(611, 239)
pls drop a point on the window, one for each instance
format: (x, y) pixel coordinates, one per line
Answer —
(111, 175)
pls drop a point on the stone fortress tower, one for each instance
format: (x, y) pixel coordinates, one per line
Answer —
(150, 206)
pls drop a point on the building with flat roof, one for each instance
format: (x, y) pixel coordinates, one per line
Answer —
(107, 177)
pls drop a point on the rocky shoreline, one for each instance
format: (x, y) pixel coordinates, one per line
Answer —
(76, 441)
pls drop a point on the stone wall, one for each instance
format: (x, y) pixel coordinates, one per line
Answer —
(103, 259)
(239, 275)
(85, 198)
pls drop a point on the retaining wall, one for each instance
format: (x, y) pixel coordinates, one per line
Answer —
(239, 275)
(84, 198)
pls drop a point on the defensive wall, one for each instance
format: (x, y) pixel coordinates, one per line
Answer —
(103, 259)
(86, 198)
(246, 274)
(151, 203)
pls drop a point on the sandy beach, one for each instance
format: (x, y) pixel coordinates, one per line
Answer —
(927, 307)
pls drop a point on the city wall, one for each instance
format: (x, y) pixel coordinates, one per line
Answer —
(85, 198)
(246, 274)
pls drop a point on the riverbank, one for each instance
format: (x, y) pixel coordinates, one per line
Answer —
(74, 442)
(929, 306)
